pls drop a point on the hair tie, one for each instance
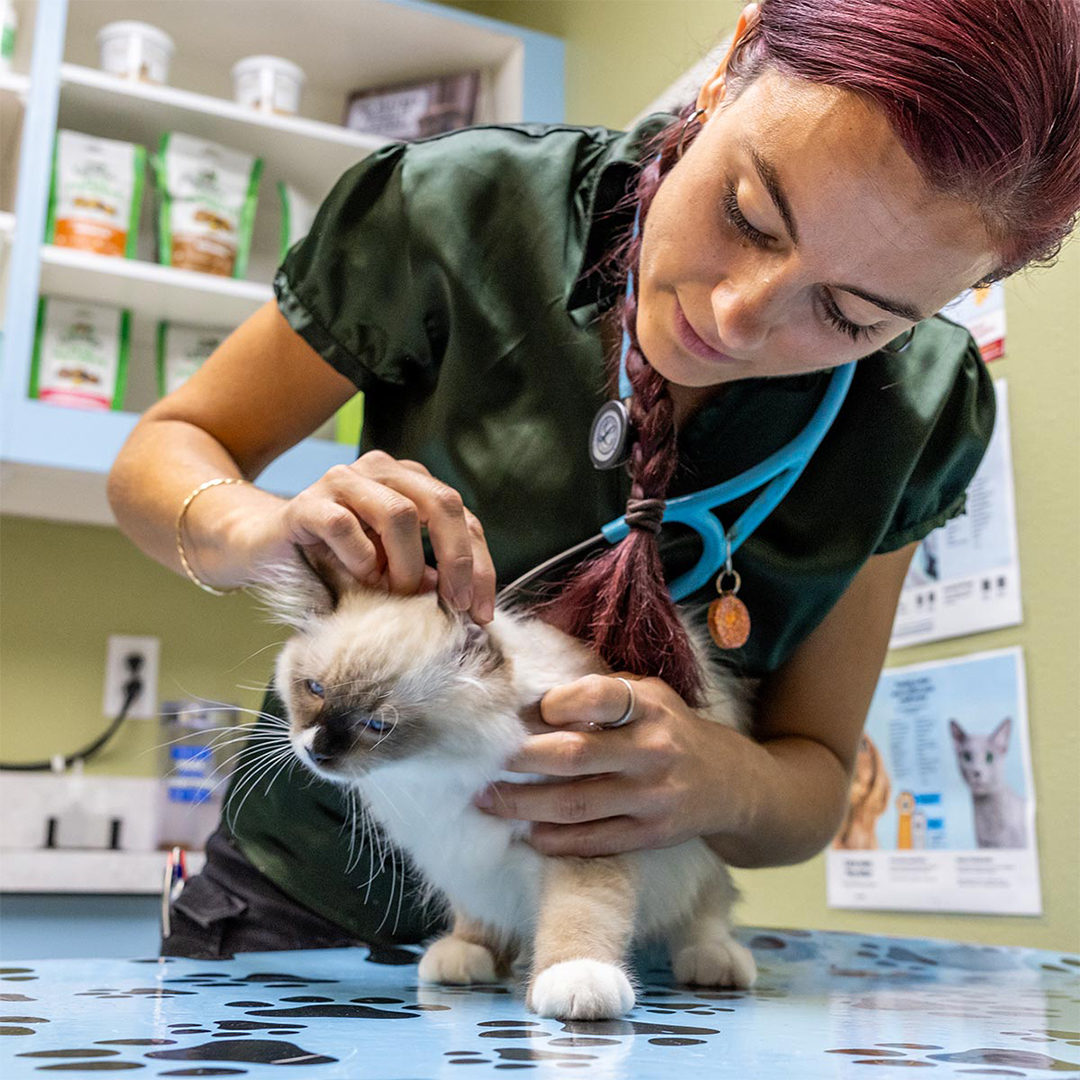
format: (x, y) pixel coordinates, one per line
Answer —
(645, 514)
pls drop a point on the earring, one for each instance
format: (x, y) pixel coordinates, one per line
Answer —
(898, 345)
(686, 126)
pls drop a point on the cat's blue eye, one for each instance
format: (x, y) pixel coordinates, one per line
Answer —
(989, 757)
(314, 687)
(966, 755)
(375, 725)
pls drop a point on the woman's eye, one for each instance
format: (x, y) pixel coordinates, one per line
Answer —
(738, 219)
(835, 317)
(314, 687)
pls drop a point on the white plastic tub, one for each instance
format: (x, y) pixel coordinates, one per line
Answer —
(135, 50)
(268, 83)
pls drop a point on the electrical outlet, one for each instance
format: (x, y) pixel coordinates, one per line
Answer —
(118, 671)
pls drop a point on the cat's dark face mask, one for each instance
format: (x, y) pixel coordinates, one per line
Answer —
(370, 677)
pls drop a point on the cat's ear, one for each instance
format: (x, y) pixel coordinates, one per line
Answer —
(295, 591)
(958, 733)
(476, 637)
(480, 648)
(999, 738)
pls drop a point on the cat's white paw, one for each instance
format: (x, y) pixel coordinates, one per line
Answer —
(581, 990)
(716, 963)
(454, 960)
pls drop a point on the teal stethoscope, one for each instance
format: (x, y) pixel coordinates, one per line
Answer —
(776, 475)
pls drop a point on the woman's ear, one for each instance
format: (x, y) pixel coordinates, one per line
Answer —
(712, 93)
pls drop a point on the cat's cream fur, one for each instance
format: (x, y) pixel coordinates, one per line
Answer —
(457, 701)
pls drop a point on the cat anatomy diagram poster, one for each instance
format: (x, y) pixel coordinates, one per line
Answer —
(965, 576)
(942, 807)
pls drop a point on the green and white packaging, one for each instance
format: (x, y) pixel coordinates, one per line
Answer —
(9, 28)
(297, 214)
(96, 194)
(206, 204)
(181, 351)
(80, 354)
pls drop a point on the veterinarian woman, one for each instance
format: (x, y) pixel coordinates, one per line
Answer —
(851, 167)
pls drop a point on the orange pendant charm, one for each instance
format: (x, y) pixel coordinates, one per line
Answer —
(729, 621)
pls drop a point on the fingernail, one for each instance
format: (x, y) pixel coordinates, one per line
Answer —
(487, 611)
(484, 800)
(464, 599)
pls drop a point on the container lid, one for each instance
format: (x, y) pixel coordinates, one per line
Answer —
(116, 29)
(276, 63)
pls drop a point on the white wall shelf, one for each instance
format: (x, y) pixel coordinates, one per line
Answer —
(54, 461)
(156, 292)
(60, 457)
(310, 153)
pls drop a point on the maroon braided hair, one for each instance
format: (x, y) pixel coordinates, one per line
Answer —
(618, 601)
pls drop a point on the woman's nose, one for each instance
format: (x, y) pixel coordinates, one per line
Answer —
(743, 311)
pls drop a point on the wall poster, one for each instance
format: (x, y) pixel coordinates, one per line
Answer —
(965, 576)
(942, 808)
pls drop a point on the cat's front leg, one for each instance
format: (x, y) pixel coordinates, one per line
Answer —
(471, 953)
(584, 929)
(703, 952)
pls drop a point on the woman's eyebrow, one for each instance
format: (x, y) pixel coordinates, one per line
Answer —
(769, 178)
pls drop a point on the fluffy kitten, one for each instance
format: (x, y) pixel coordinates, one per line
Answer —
(416, 708)
(1000, 814)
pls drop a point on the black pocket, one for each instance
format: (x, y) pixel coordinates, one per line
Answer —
(198, 919)
(206, 902)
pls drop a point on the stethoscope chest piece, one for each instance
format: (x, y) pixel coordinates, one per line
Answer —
(609, 438)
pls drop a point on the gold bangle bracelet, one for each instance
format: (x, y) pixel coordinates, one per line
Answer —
(180, 533)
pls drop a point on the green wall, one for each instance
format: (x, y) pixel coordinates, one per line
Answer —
(66, 588)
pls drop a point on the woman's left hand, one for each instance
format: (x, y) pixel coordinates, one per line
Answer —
(652, 783)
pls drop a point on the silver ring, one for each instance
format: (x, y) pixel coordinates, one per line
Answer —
(625, 718)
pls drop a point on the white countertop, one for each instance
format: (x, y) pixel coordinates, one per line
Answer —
(84, 865)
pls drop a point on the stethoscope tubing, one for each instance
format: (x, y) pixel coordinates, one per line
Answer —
(778, 472)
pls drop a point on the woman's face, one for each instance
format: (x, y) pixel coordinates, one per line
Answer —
(738, 281)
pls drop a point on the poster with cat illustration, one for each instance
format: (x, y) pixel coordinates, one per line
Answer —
(941, 812)
(965, 576)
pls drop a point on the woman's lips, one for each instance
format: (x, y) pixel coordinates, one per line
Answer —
(695, 344)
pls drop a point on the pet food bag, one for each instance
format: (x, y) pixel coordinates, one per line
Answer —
(9, 29)
(181, 351)
(206, 204)
(96, 194)
(297, 214)
(80, 354)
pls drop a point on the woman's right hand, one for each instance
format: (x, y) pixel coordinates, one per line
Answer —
(368, 516)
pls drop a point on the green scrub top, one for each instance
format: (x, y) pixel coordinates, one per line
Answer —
(454, 281)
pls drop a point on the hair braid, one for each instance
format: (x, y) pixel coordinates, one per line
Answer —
(618, 601)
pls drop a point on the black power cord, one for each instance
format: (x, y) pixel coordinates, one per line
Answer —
(132, 687)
